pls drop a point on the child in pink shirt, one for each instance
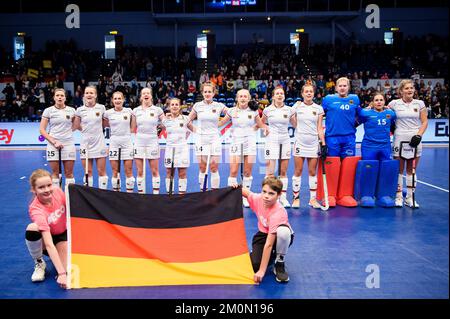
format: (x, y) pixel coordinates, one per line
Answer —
(274, 234)
(48, 228)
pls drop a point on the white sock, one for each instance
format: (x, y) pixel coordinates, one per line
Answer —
(296, 183)
(129, 181)
(283, 241)
(182, 185)
(156, 181)
(285, 182)
(201, 180)
(69, 181)
(102, 181)
(168, 185)
(312, 186)
(400, 183)
(247, 182)
(90, 181)
(232, 180)
(140, 185)
(34, 248)
(55, 182)
(114, 181)
(409, 185)
(215, 180)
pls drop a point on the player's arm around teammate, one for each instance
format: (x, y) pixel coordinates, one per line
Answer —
(89, 120)
(410, 126)
(277, 142)
(208, 141)
(177, 147)
(59, 117)
(121, 122)
(244, 118)
(146, 147)
(308, 133)
(47, 234)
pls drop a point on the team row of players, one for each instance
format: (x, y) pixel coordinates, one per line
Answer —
(342, 111)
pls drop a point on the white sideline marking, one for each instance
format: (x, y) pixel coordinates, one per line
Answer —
(431, 185)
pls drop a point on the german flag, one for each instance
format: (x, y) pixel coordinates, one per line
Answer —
(123, 239)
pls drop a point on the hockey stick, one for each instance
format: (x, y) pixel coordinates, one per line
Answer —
(118, 170)
(86, 168)
(205, 182)
(172, 172)
(325, 187)
(279, 161)
(413, 171)
(242, 163)
(144, 168)
(60, 167)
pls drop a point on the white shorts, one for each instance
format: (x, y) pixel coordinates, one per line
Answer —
(150, 152)
(408, 151)
(95, 145)
(126, 151)
(248, 143)
(272, 151)
(208, 145)
(68, 153)
(181, 156)
(306, 146)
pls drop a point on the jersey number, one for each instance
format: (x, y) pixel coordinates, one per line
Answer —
(50, 153)
(382, 122)
(113, 153)
(345, 107)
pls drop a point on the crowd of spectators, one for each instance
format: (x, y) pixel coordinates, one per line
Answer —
(259, 68)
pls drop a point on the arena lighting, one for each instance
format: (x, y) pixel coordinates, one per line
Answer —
(113, 32)
(395, 29)
(268, 18)
(300, 30)
(206, 31)
(21, 34)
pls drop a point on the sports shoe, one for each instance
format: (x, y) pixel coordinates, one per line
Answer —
(314, 203)
(280, 272)
(347, 201)
(409, 202)
(399, 201)
(284, 201)
(39, 271)
(245, 202)
(296, 202)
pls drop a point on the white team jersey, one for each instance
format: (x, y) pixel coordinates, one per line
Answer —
(176, 130)
(243, 121)
(91, 119)
(408, 115)
(307, 118)
(147, 120)
(208, 116)
(60, 122)
(119, 123)
(278, 120)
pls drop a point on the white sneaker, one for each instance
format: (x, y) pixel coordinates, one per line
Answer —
(39, 271)
(409, 202)
(245, 202)
(284, 201)
(296, 203)
(399, 201)
(314, 203)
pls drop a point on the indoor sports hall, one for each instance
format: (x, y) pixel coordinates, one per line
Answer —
(173, 47)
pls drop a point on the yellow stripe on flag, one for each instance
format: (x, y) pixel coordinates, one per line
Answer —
(90, 271)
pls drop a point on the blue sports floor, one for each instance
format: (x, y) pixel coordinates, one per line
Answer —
(333, 254)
